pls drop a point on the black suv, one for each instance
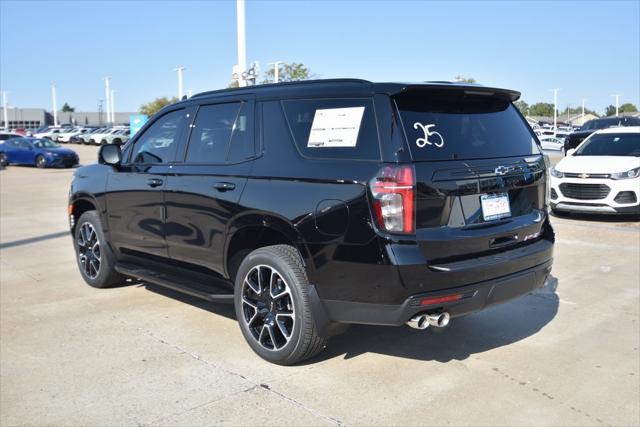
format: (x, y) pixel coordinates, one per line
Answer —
(316, 204)
(575, 138)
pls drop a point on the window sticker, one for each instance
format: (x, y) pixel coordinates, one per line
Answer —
(436, 138)
(335, 127)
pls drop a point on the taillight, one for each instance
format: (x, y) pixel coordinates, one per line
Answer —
(393, 199)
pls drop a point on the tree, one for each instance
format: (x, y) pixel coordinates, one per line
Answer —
(522, 106)
(288, 73)
(610, 110)
(66, 108)
(541, 109)
(156, 105)
(628, 107)
(461, 79)
(234, 84)
(576, 111)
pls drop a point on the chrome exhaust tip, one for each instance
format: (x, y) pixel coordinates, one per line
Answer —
(419, 321)
(439, 320)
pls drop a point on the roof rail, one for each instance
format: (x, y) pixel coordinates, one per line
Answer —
(272, 85)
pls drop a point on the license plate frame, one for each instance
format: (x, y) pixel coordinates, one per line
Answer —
(495, 206)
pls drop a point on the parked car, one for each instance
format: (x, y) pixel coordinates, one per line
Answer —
(98, 138)
(575, 138)
(50, 133)
(65, 137)
(40, 152)
(551, 143)
(8, 135)
(601, 176)
(120, 136)
(84, 137)
(312, 205)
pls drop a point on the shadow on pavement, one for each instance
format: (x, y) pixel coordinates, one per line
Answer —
(597, 218)
(465, 336)
(36, 239)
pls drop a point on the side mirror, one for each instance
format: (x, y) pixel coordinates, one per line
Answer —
(110, 154)
(570, 151)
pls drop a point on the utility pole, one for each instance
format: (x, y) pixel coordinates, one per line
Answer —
(617, 102)
(113, 109)
(55, 108)
(582, 120)
(100, 112)
(276, 70)
(555, 110)
(180, 91)
(242, 47)
(4, 110)
(107, 95)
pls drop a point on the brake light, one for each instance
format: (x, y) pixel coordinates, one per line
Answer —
(393, 198)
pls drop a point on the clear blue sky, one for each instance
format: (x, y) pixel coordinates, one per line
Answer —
(589, 49)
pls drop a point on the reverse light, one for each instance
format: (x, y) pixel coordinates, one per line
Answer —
(393, 198)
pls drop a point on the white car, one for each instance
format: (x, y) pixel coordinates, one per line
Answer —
(68, 133)
(551, 143)
(602, 175)
(51, 133)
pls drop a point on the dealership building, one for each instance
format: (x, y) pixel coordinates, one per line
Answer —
(33, 118)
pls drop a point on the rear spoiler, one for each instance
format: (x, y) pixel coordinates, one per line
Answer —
(470, 89)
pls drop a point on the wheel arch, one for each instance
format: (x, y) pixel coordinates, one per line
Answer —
(79, 204)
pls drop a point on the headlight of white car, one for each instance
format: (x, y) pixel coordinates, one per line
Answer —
(556, 173)
(633, 173)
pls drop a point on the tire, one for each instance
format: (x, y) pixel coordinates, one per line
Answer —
(101, 274)
(41, 163)
(3, 160)
(103, 142)
(264, 324)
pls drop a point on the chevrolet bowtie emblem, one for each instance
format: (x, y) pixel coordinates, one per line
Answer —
(584, 175)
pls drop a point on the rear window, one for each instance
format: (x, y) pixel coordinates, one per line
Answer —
(334, 128)
(447, 125)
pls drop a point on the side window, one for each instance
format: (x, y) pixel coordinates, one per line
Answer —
(222, 133)
(158, 143)
(342, 128)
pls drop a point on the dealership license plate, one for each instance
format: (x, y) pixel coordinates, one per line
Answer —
(495, 206)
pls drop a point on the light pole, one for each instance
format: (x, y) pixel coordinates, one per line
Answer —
(276, 70)
(107, 94)
(555, 110)
(242, 47)
(4, 110)
(617, 102)
(113, 109)
(55, 108)
(180, 91)
(582, 120)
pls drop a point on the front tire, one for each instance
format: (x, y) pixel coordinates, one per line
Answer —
(41, 162)
(3, 160)
(273, 307)
(95, 260)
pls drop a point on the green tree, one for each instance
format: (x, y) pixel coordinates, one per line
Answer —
(541, 109)
(156, 105)
(576, 111)
(610, 110)
(462, 79)
(234, 84)
(522, 106)
(628, 107)
(66, 108)
(288, 73)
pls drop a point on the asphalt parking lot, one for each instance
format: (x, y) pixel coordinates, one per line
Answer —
(141, 355)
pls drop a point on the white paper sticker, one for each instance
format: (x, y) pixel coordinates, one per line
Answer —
(335, 127)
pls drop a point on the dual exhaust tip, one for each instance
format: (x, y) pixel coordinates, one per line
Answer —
(423, 321)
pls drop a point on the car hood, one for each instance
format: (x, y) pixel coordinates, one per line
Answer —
(597, 164)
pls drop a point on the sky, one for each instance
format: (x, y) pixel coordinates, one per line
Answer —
(588, 49)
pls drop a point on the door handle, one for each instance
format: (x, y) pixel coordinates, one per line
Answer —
(224, 186)
(154, 182)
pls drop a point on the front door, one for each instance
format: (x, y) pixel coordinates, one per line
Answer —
(135, 191)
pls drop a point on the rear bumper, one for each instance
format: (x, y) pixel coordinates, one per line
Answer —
(474, 297)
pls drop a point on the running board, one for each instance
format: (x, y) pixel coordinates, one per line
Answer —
(209, 292)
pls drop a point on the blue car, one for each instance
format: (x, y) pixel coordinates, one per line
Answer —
(40, 152)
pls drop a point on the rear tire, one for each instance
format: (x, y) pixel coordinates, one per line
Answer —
(41, 163)
(273, 307)
(95, 259)
(3, 160)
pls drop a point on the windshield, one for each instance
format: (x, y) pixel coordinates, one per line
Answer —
(447, 125)
(43, 143)
(611, 144)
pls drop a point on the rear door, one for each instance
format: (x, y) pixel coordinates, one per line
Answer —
(135, 191)
(204, 189)
(480, 175)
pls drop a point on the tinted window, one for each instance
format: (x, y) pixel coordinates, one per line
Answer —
(209, 141)
(446, 125)
(361, 139)
(158, 143)
(611, 144)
